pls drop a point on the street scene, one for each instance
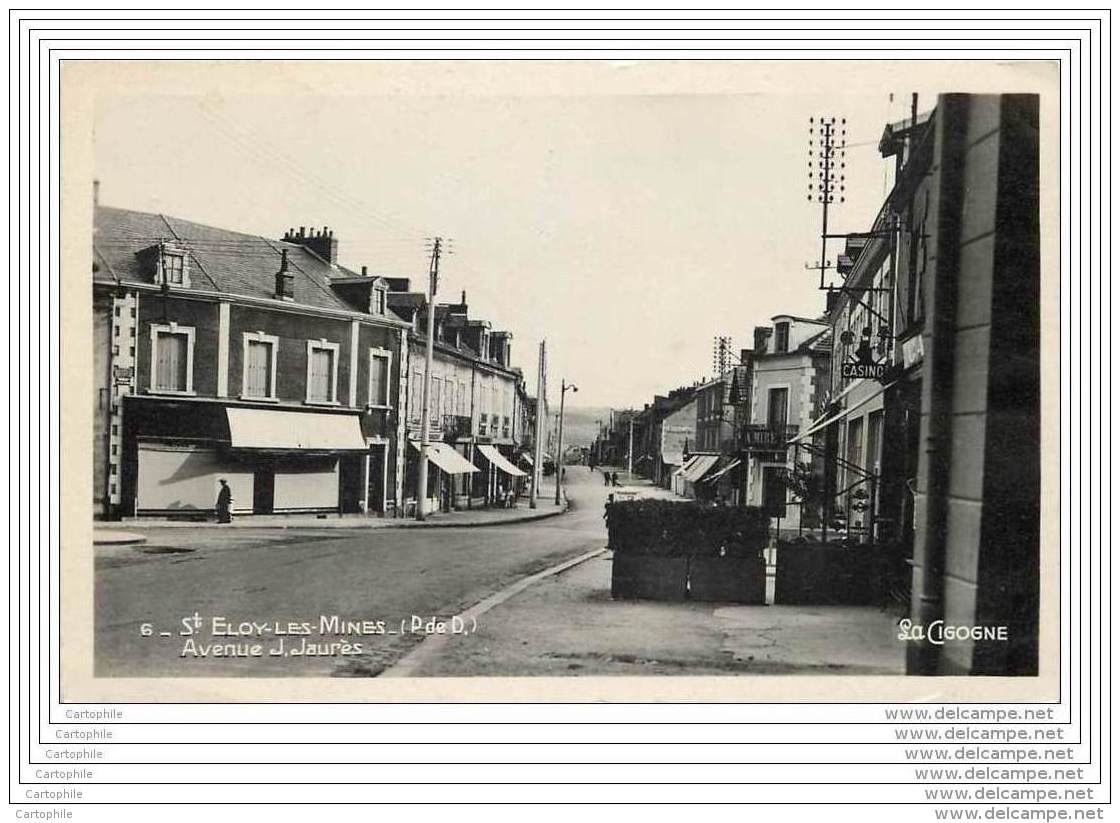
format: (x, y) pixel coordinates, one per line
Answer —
(566, 623)
(569, 436)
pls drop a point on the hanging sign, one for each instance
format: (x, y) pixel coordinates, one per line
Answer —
(875, 371)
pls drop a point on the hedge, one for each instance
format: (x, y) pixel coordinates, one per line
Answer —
(666, 528)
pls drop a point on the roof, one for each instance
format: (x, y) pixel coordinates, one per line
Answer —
(218, 259)
(821, 342)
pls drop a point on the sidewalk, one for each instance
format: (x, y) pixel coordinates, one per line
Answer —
(522, 513)
(568, 624)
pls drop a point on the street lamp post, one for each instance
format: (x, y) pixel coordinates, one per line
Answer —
(564, 388)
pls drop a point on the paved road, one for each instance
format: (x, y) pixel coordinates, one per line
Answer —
(278, 577)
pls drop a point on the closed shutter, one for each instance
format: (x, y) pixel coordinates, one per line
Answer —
(259, 369)
(171, 361)
(320, 385)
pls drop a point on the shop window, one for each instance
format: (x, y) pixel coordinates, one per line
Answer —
(172, 363)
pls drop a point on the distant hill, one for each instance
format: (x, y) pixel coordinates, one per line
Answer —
(580, 428)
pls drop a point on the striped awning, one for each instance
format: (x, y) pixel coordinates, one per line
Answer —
(700, 466)
(717, 475)
(446, 458)
(495, 457)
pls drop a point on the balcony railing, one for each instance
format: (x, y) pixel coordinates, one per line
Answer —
(756, 437)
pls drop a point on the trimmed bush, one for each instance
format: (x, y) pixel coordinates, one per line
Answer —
(641, 577)
(832, 574)
(665, 528)
(727, 580)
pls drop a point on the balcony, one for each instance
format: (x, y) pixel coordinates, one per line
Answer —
(756, 437)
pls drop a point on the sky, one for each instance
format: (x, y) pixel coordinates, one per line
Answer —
(626, 230)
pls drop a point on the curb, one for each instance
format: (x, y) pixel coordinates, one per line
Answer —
(402, 523)
(115, 538)
(430, 646)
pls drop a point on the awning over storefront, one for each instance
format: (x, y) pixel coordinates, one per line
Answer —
(294, 430)
(446, 458)
(700, 466)
(686, 466)
(717, 475)
(840, 415)
(495, 457)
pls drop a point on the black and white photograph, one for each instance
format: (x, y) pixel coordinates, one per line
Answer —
(530, 381)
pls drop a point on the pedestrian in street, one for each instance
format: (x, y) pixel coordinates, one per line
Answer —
(225, 501)
(606, 478)
(614, 478)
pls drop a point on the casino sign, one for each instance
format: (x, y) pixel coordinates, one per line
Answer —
(875, 371)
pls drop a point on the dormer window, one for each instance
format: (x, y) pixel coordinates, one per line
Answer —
(781, 337)
(377, 301)
(165, 265)
(173, 267)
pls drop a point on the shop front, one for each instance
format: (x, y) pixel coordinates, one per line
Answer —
(445, 466)
(275, 461)
(504, 480)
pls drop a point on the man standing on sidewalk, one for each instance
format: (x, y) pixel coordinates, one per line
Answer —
(225, 499)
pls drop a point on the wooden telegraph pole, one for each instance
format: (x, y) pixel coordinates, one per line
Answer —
(422, 474)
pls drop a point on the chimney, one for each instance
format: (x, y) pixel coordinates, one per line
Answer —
(463, 298)
(831, 299)
(321, 242)
(761, 336)
(285, 282)
(365, 271)
(96, 193)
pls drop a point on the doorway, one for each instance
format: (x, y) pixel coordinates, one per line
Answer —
(264, 489)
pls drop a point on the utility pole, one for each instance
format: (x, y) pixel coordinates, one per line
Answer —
(630, 448)
(564, 388)
(422, 479)
(538, 446)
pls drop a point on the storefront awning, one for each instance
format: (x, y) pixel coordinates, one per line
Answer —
(495, 457)
(686, 466)
(700, 466)
(840, 415)
(446, 458)
(294, 430)
(717, 475)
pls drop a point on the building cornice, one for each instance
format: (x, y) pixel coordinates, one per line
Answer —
(208, 296)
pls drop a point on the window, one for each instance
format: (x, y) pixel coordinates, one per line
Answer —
(781, 337)
(258, 378)
(322, 371)
(777, 413)
(379, 363)
(433, 400)
(173, 268)
(172, 362)
(855, 442)
(415, 398)
(874, 435)
(377, 301)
